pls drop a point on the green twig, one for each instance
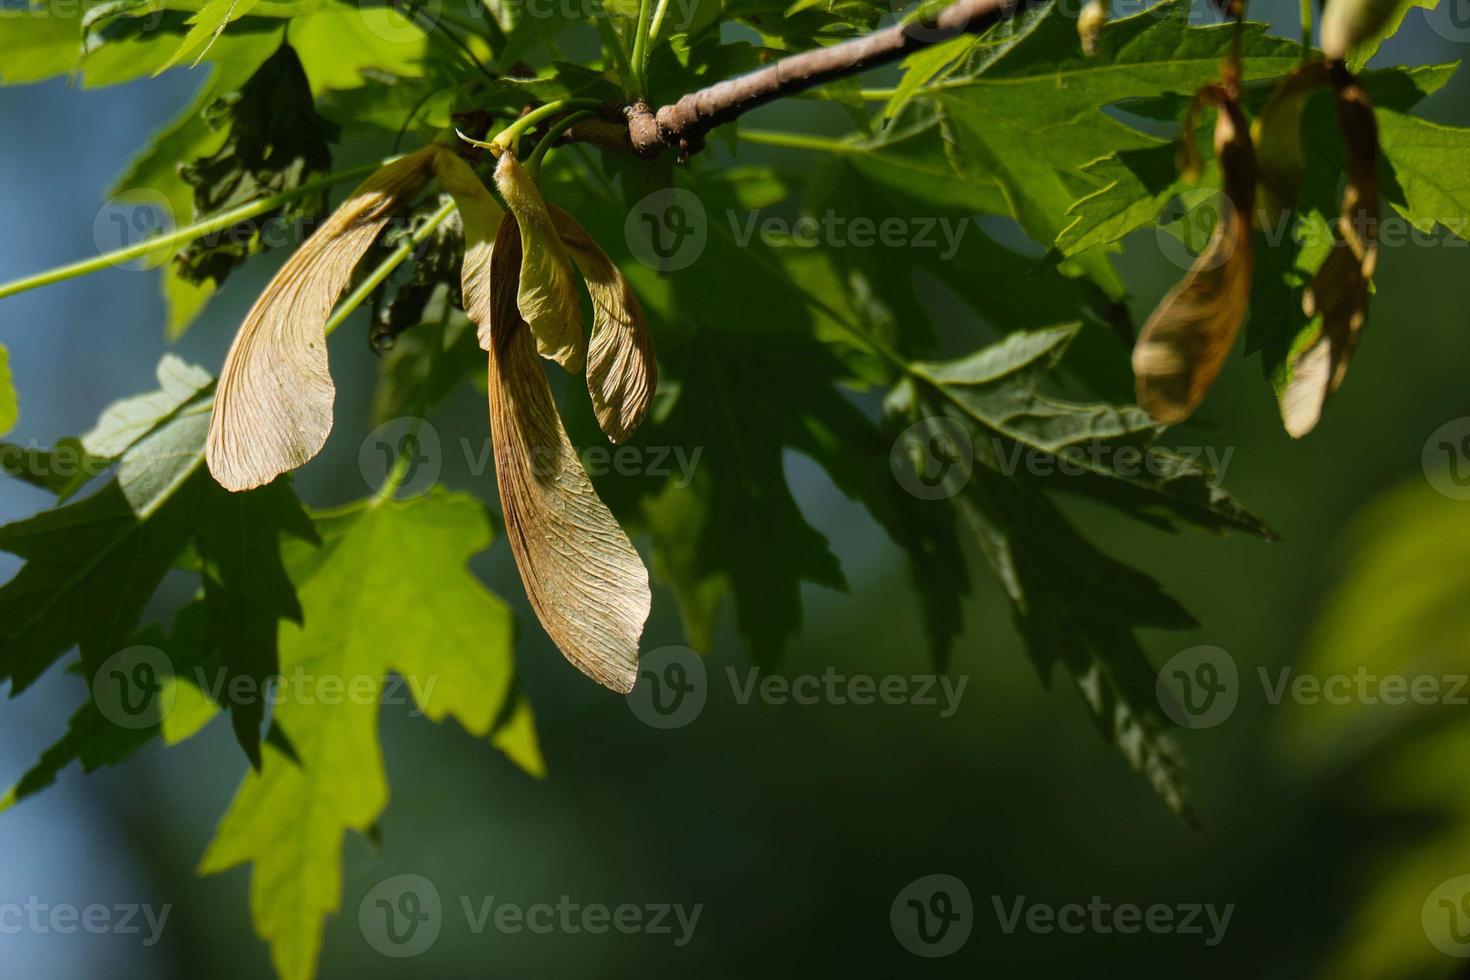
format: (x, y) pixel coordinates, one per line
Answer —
(658, 22)
(553, 133)
(508, 137)
(184, 235)
(640, 50)
(385, 268)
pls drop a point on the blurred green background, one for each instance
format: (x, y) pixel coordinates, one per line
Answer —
(796, 826)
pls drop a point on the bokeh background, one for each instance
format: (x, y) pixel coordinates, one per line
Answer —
(795, 827)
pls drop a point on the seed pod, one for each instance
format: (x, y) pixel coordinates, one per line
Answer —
(1090, 22)
(1348, 23)
(1184, 343)
(621, 373)
(584, 578)
(273, 405)
(1337, 299)
(1277, 135)
(481, 218)
(547, 293)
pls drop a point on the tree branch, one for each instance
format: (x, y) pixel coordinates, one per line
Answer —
(684, 124)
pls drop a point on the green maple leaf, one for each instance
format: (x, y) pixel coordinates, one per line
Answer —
(95, 739)
(92, 566)
(276, 142)
(906, 182)
(189, 137)
(1073, 604)
(9, 403)
(1033, 118)
(386, 591)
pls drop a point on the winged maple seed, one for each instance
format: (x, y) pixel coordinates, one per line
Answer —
(1281, 160)
(584, 578)
(273, 409)
(1184, 343)
(1337, 299)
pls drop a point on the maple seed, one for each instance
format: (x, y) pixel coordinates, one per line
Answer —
(1337, 299)
(584, 578)
(273, 408)
(1090, 22)
(547, 292)
(1184, 343)
(1348, 23)
(1281, 160)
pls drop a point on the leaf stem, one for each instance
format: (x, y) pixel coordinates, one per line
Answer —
(658, 21)
(1306, 31)
(640, 49)
(395, 476)
(793, 141)
(385, 268)
(553, 133)
(508, 137)
(184, 235)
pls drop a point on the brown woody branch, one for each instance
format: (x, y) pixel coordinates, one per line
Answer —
(684, 123)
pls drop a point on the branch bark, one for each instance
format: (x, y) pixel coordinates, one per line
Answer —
(684, 123)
